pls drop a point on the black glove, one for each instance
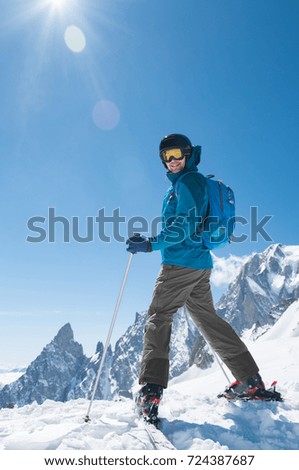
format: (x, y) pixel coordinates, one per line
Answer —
(138, 243)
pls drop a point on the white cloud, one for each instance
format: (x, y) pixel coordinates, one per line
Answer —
(226, 269)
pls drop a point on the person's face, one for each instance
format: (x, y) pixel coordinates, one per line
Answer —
(176, 165)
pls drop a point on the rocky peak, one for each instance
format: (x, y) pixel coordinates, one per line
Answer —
(64, 336)
(49, 375)
(265, 280)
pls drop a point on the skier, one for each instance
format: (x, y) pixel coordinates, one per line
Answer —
(184, 279)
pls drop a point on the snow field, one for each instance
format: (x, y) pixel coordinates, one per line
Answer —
(192, 415)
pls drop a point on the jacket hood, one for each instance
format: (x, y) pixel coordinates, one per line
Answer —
(194, 160)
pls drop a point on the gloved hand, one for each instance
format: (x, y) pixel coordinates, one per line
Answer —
(138, 243)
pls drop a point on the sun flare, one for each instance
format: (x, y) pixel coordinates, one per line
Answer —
(59, 4)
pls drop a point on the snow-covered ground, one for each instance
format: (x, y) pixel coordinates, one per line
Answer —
(192, 415)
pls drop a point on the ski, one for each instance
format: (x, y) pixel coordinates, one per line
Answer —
(269, 394)
(158, 440)
(148, 418)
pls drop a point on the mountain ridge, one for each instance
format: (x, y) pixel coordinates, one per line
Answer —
(267, 284)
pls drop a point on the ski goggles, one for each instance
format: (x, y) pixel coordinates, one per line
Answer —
(168, 155)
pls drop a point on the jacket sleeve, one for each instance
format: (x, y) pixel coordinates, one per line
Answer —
(191, 208)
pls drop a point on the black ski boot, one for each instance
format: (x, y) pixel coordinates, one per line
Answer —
(147, 402)
(251, 389)
(245, 389)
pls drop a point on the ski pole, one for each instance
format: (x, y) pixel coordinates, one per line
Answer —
(221, 366)
(217, 359)
(87, 418)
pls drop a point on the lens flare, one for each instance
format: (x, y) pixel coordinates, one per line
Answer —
(74, 39)
(106, 115)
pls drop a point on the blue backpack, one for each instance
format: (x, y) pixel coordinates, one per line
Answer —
(217, 228)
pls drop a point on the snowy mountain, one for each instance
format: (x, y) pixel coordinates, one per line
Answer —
(266, 286)
(267, 283)
(193, 418)
(81, 386)
(62, 372)
(50, 375)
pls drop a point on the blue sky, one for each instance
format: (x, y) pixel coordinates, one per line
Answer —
(80, 132)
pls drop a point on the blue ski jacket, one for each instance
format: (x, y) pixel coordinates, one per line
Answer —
(184, 207)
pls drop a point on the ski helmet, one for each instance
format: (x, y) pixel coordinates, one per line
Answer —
(176, 141)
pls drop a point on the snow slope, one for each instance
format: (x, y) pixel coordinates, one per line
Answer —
(193, 417)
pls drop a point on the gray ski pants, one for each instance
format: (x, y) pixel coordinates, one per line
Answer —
(176, 286)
